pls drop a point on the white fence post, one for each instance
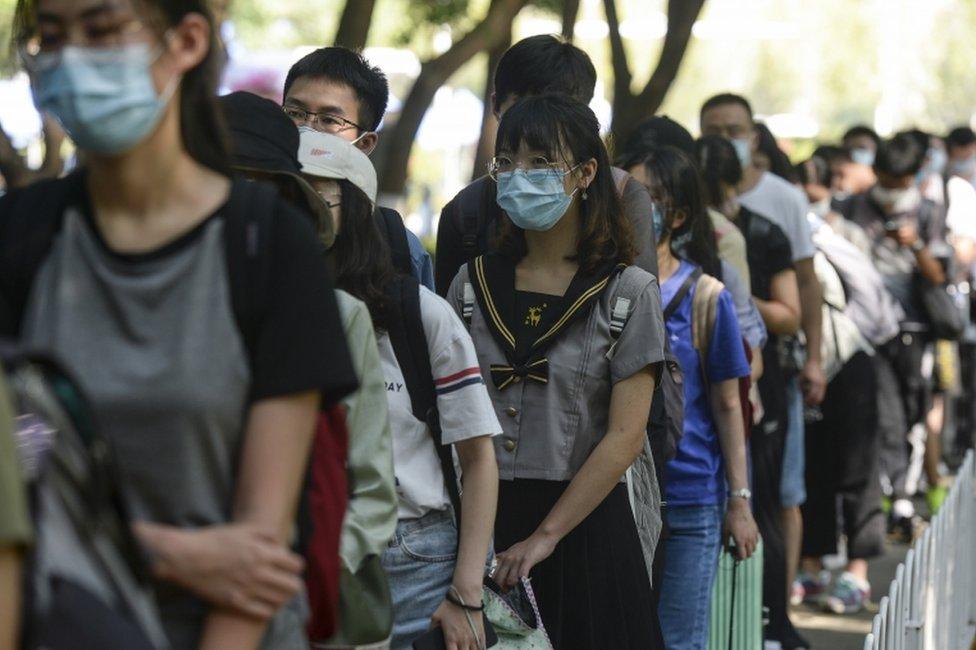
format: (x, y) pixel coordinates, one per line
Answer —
(931, 604)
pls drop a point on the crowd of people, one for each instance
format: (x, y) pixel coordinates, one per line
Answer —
(619, 364)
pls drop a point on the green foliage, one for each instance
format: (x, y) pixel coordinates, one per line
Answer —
(7, 60)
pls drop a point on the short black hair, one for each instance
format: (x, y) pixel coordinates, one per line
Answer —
(779, 162)
(900, 156)
(961, 136)
(832, 153)
(654, 132)
(859, 130)
(351, 68)
(814, 171)
(544, 64)
(726, 98)
(719, 165)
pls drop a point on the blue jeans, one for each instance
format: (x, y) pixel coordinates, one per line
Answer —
(690, 561)
(419, 563)
(793, 489)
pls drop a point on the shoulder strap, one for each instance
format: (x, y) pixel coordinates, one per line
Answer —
(682, 292)
(248, 228)
(392, 226)
(704, 309)
(471, 207)
(409, 342)
(624, 297)
(467, 304)
(31, 218)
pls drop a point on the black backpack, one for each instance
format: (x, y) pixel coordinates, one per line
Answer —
(86, 583)
(393, 229)
(406, 331)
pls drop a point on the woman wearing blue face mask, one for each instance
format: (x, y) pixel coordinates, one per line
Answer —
(190, 307)
(571, 337)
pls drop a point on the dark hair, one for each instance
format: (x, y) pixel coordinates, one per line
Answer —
(726, 98)
(678, 186)
(719, 166)
(961, 136)
(814, 171)
(345, 66)
(832, 153)
(779, 162)
(900, 156)
(862, 130)
(201, 124)
(553, 123)
(657, 131)
(361, 256)
(544, 64)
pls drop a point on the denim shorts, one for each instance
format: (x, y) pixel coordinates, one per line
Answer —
(793, 488)
(419, 563)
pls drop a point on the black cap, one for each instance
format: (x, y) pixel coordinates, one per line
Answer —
(263, 140)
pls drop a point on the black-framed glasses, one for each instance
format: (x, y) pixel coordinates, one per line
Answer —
(323, 122)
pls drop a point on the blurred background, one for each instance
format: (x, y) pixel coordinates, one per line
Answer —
(812, 68)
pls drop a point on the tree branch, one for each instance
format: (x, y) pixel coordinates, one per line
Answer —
(622, 76)
(570, 13)
(682, 15)
(354, 24)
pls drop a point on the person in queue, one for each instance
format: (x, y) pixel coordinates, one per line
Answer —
(335, 90)
(139, 296)
(573, 398)
(707, 483)
(469, 222)
(431, 565)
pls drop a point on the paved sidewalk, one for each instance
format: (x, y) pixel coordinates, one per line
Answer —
(830, 632)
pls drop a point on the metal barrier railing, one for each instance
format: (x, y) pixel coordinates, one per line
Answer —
(931, 604)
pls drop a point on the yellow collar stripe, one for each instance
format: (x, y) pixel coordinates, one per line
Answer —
(492, 310)
(572, 310)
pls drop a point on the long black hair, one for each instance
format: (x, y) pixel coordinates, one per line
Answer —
(201, 125)
(779, 162)
(677, 188)
(719, 167)
(558, 125)
(361, 256)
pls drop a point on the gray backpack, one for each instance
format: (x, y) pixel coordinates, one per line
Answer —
(86, 584)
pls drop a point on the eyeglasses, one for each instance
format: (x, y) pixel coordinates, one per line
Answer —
(106, 31)
(323, 122)
(504, 164)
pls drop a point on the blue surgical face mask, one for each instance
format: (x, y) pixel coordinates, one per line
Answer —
(936, 162)
(965, 168)
(104, 98)
(534, 199)
(863, 156)
(743, 150)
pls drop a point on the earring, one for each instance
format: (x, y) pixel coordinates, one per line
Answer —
(584, 194)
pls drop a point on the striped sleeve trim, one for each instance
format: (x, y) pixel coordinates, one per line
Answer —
(459, 380)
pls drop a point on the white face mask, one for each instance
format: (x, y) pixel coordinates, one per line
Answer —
(863, 156)
(897, 201)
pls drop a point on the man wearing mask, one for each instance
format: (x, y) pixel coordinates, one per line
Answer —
(730, 116)
(863, 144)
(908, 233)
(335, 90)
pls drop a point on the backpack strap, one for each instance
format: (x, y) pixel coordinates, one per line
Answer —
(248, 227)
(467, 304)
(681, 294)
(392, 226)
(704, 310)
(409, 342)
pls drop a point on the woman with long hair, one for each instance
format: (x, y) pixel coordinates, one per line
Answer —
(571, 335)
(196, 311)
(707, 482)
(435, 569)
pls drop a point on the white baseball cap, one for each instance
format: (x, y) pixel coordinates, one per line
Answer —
(328, 156)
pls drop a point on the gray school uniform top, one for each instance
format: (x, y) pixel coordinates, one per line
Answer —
(552, 421)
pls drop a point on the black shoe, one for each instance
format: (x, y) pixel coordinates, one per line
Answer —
(792, 639)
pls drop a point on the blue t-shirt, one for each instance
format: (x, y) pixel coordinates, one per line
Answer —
(423, 270)
(696, 475)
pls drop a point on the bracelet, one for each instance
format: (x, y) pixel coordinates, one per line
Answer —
(454, 598)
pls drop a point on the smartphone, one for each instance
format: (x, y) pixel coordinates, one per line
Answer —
(434, 639)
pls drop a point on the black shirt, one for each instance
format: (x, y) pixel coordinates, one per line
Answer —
(767, 249)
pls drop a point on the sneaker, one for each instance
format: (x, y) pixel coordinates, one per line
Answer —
(849, 595)
(809, 589)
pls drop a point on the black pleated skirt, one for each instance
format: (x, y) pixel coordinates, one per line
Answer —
(593, 591)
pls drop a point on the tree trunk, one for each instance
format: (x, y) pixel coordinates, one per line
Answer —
(354, 24)
(630, 108)
(570, 13)
(434, 74)
(489, 123)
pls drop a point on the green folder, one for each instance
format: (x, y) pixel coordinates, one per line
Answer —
(736, 619)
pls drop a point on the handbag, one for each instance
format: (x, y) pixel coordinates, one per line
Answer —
(515, 616)
(945, 317)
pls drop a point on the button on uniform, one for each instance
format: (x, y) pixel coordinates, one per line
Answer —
(509, 445)
(511, 411)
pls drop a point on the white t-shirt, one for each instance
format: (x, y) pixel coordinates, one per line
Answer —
(787, 207)
(462, 399)
(961, 217)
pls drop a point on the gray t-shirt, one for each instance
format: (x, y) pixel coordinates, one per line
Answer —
(154, 342)
(784, 205)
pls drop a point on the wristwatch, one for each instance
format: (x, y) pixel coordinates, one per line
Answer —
(743, 493)
(918, 246)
